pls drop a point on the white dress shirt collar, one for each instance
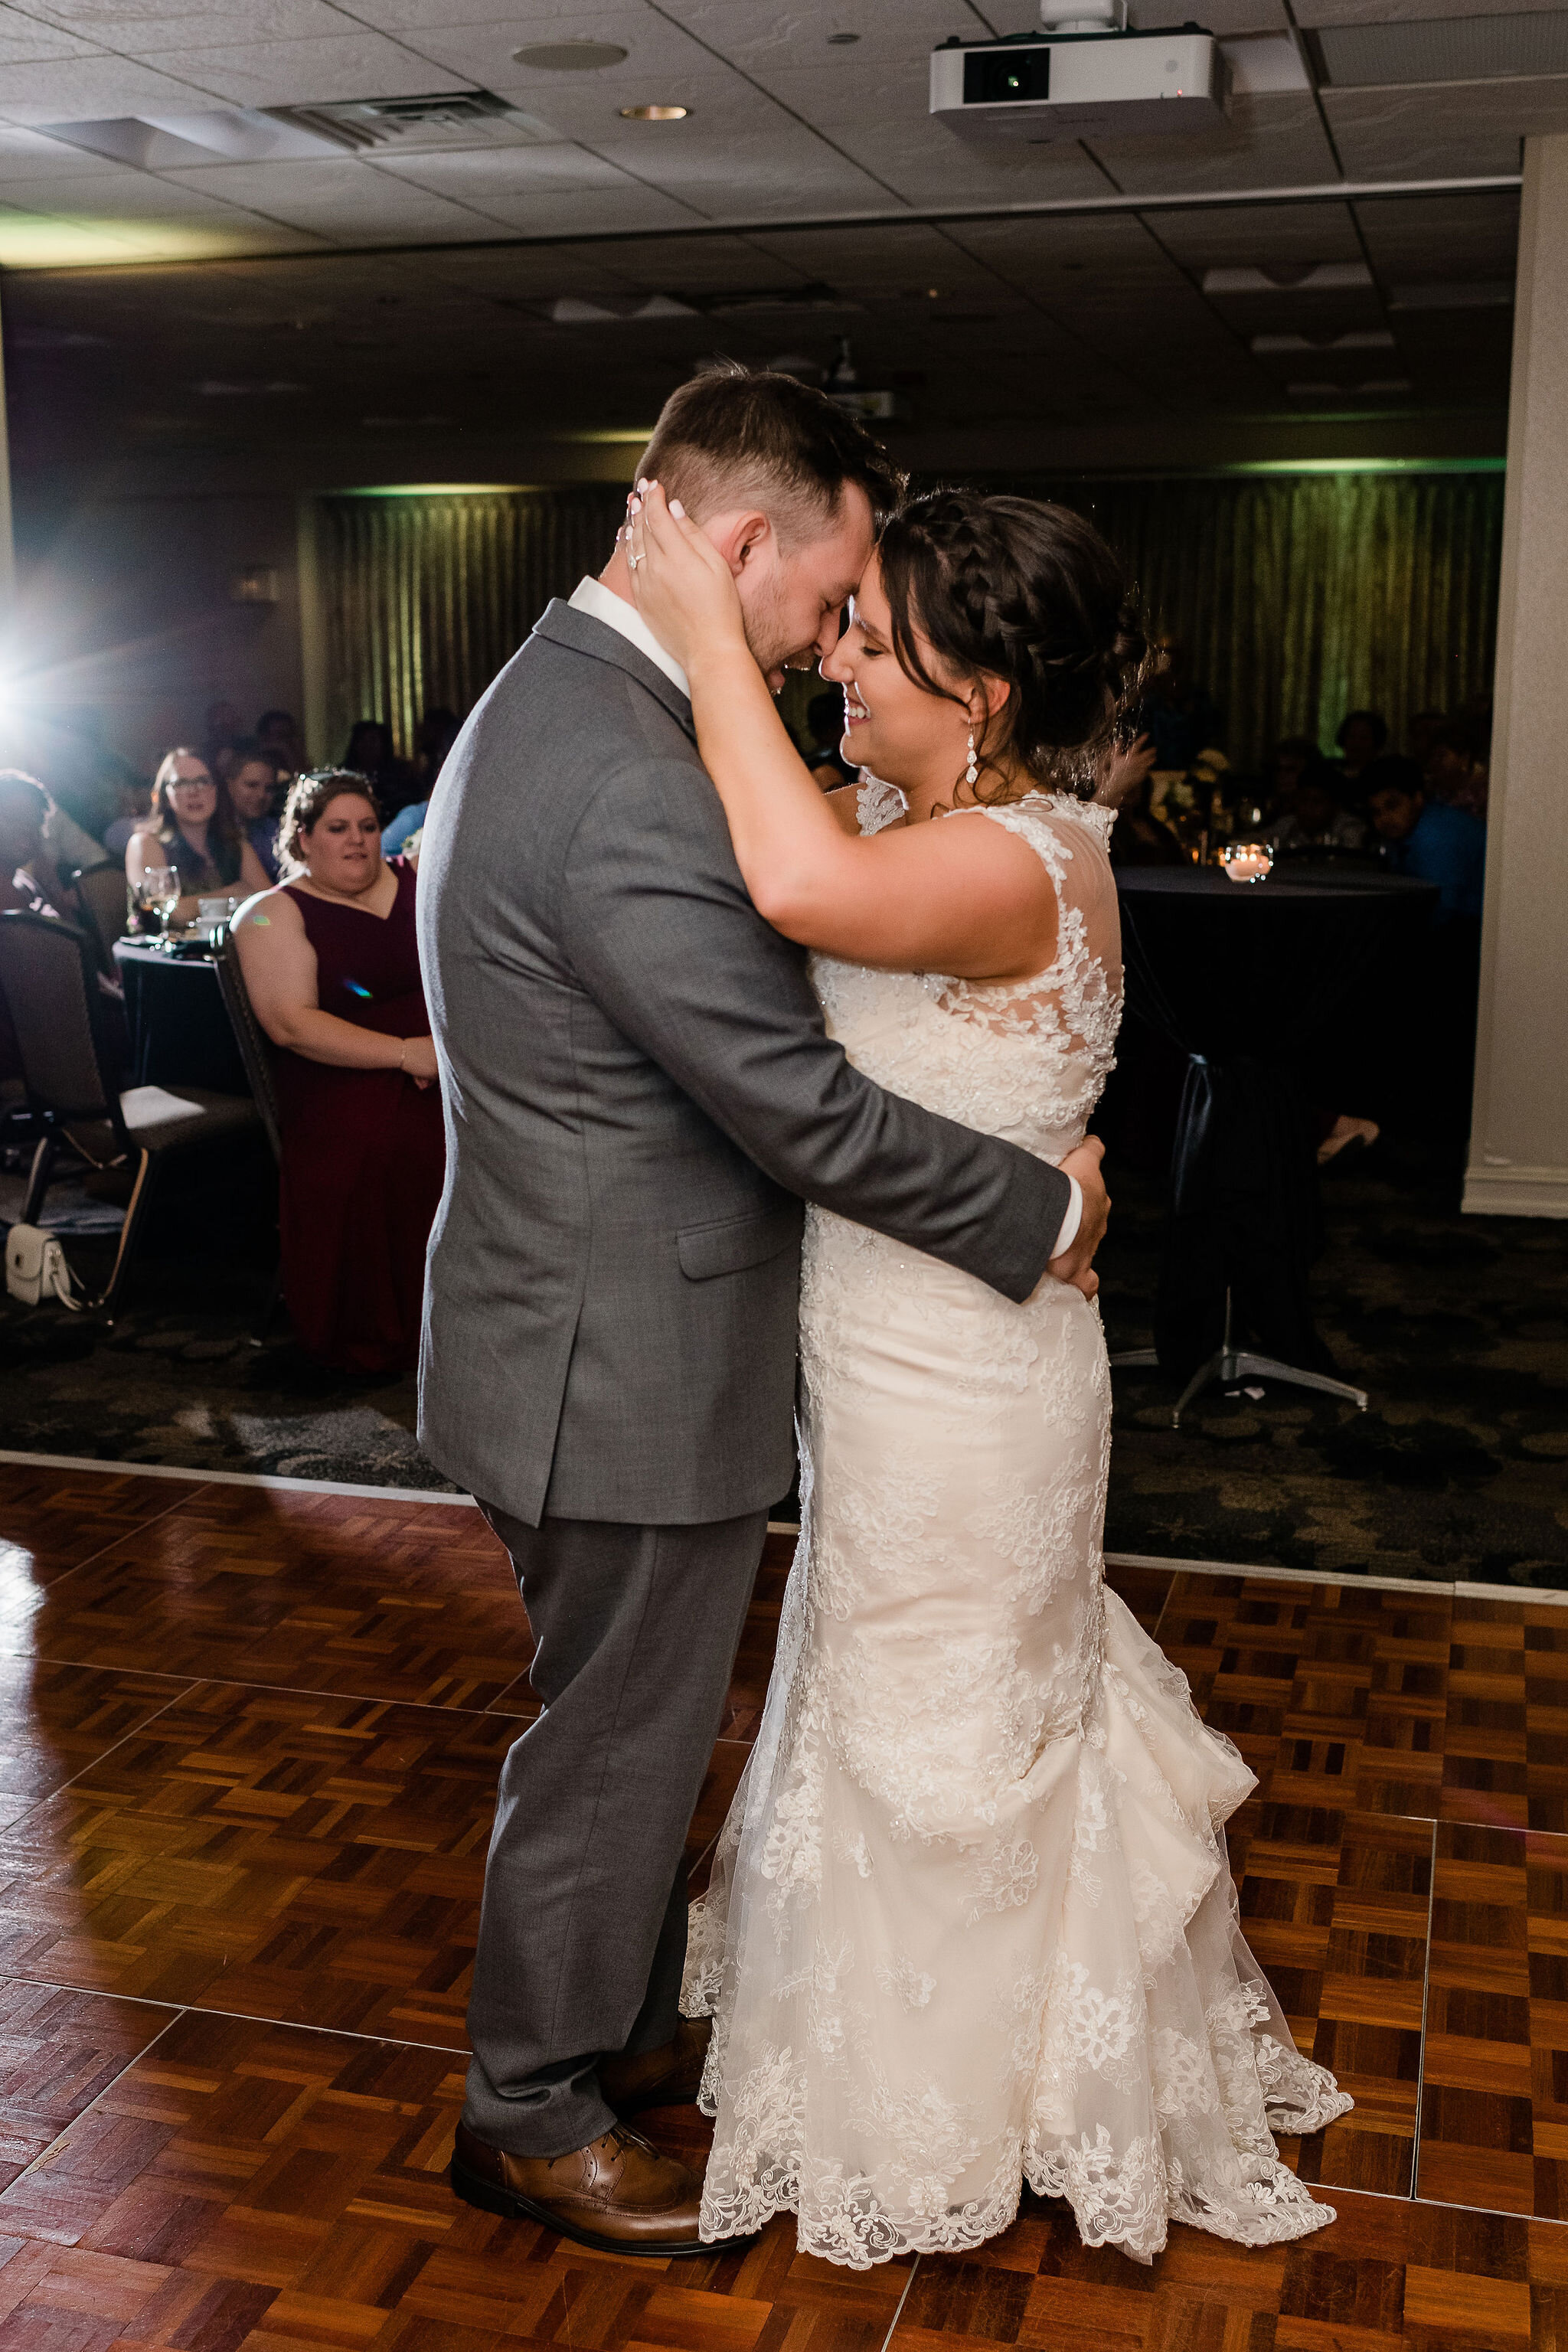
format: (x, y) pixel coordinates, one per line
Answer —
(592, 596)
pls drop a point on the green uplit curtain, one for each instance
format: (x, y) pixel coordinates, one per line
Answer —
(1299, 597)
(1303, 596)
(423, 598)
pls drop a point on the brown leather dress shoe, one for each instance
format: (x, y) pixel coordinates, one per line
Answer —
(618, 2194)
(667, 2077)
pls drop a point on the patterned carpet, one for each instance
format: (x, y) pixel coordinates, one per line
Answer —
(1459, 1328)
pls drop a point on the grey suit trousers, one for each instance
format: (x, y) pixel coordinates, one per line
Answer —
(583, 1932)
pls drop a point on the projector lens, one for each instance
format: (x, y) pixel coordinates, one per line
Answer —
(1006, 77)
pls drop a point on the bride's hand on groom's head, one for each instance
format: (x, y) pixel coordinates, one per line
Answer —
(683, 586)
(1076, 1263)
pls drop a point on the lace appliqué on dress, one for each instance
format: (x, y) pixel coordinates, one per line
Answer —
(970, 1921)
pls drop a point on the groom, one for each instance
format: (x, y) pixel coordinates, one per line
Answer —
(639, 1095)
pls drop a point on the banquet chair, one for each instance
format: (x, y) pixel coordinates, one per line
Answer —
(100, 892)
(256, 1051)
(48, 973)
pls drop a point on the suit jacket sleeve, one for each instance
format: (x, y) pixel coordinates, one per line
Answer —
(663, 935)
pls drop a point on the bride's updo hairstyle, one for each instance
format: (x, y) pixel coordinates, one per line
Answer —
(1014, 589)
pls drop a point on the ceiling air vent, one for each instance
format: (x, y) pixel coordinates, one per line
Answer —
(1441, 48)
(458, 118)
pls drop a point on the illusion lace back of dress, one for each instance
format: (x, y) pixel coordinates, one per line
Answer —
(970, 1921)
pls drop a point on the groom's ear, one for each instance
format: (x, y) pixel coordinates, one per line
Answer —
(741, 538)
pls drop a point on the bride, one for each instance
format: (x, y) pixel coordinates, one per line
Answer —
(971, 1922)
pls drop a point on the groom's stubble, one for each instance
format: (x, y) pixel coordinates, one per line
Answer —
(792, 616)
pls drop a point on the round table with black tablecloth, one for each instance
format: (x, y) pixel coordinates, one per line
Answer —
(180, 1032)
(1246, 979)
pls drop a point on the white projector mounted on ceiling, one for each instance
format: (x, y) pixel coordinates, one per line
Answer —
(1082, 75)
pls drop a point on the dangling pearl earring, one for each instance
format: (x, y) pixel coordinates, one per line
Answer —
(972, 773)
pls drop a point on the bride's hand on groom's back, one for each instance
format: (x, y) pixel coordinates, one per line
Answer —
(683, 584)
(1076, 1263)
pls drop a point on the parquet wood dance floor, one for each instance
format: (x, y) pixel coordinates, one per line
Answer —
(246, 1763)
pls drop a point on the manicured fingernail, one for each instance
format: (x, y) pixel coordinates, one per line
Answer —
(677, 508)
(643, 484)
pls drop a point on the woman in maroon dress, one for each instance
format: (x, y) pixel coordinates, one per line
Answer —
(332, 969)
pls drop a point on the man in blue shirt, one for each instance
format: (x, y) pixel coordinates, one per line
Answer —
(1429, 839)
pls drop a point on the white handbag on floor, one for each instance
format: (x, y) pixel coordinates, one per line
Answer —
(36, 1267)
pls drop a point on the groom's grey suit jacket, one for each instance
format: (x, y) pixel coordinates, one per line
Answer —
(639, 1094)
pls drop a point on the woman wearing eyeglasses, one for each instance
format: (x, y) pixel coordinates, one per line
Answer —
(193, 828)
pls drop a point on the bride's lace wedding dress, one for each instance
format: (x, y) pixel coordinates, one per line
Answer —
(970, 1921)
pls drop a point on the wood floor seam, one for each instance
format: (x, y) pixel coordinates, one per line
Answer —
(138, 2059)
(285, 1690)
(127, 1535)
(124, 1741)
(1426, 1998)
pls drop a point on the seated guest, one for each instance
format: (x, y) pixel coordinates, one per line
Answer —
(253, 792)
(1122, 784)
(1420, 733)
(1179, 715)
(1292, 756)
(370, 754)
(332, 969)
(1455, 768)
(134, 818)
(193, 828)
(31, 881)
(1428, 838)
(277, 732)
(1315, 819)
(222, 726)
(30, 874)
(409, 821)
(432, 740)
(1360, 735)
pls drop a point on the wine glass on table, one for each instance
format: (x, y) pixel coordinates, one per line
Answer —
(159, 892)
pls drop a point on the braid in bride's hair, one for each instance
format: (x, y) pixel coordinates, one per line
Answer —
(1024, 591)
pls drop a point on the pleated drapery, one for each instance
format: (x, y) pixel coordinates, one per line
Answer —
(1298, 596)
(1302, 596)
(423, 598)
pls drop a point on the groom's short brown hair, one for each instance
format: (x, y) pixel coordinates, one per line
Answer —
(733, 434)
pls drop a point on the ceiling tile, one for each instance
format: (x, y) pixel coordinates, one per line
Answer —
(1273, 140)
(1413, 239)
(24, 41)
(80, 89)
(483, 52)
(157, 25)
(794, 38)
(1391, 12)
(561, 189)
(472, 175)
(923, 162)
(701, 265)
(1444, 129)
(1218, 237)
(350, 202)
(536, 19)
(1223, 17)
(312, 73)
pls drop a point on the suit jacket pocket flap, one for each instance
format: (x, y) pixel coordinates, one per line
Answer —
(734, 1243)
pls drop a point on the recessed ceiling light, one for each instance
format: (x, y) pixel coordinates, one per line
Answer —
(570, 56)
(655, 113)
(842, 40)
